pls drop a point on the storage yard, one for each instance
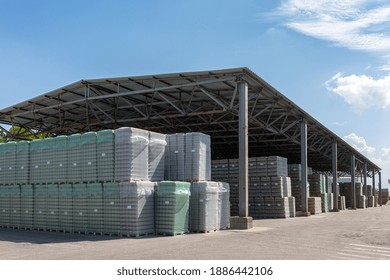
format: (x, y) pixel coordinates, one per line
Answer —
(195, 156)
(354, 235)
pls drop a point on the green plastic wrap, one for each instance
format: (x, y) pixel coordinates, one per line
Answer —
(172, 207)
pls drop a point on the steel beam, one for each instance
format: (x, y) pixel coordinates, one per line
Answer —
(334, 171)
(353, 181)
(380, 189)
(304, 166)
(243, 149)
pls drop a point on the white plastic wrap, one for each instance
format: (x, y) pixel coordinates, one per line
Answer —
(137, 208)
(131, 154)
(204, 207)
(157, 145)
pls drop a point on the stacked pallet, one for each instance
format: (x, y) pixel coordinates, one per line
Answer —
(268, 182)
(204, 207)
(105, 155)
(131, 154)
(224, 205)
(137, 208)
(295, 173)
(209, 206)
(172, 207)
(97, 182)
(314, 205)
(188, 157)
(326, 202)
(156, 153)
(385, 196)
(347, 191)
(318, 186)
(341, 203)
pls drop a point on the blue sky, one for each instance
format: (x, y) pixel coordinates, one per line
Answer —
(330, 58)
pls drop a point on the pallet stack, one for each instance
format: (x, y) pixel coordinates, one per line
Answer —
(294, 172)
(314, 205)
(268, 186)
(318, 187)
(385, 196)
(100, 182)
(172, 207)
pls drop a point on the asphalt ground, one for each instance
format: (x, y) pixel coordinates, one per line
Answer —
(362, 234)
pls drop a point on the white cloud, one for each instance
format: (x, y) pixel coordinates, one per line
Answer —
(355, 24)
(360, 144)
(383, 160)
(385, 154)
(362, 91)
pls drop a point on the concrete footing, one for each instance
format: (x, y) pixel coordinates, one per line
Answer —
(241, 222)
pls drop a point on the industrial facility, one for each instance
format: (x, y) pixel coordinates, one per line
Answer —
(196, 134)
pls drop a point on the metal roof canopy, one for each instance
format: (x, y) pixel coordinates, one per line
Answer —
(205, 101)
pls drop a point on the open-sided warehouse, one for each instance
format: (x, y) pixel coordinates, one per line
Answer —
(244, 116)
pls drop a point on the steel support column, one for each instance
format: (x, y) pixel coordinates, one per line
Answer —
(380, 189)
(365, 179)
(304, 167)
(373, 183)
(243, 149)
(353, 188)
(334, 171)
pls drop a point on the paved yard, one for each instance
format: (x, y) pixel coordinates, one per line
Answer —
(350, 234)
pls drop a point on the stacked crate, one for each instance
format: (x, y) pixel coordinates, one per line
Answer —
(8, 163)
(326, 202)
(188, 157)
(111, 208)
(26, 206)
(295, 173)
(370, 196)
(341, 203)
(137, 208)
(347, 191)
(52, 207)
(80, 208)
(74, 174)
(105, 155)
(131, 154)
(40, 207)
(224, 205)
(65, 208)
(318, 187)
(360, 197)
(204, 207)
(4, 206)
(197, 159)
(174, 157)
(14, 206)
(95, 208)
(314, 205)
(60, 160)
(156, 153)
(268, 182)
(22, 162)
(172, 207)
(385, 196)
(88, 160)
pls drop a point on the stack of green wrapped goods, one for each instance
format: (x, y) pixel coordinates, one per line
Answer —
(172, 207)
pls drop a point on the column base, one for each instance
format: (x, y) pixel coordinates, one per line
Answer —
(335, 210)
(241, 222)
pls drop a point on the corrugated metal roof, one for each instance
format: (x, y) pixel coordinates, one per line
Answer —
(204, 101)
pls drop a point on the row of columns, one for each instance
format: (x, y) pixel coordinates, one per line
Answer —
(243, 162)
